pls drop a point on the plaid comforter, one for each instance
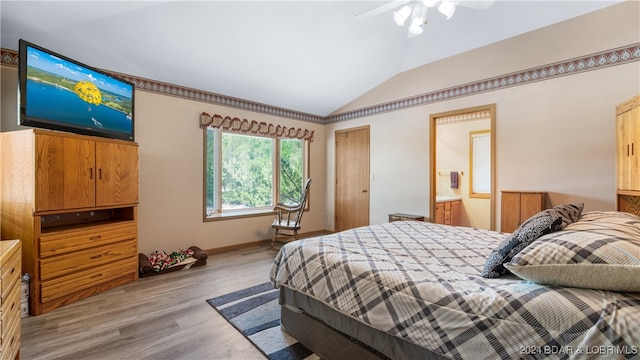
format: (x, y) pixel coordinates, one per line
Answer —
(421, 282)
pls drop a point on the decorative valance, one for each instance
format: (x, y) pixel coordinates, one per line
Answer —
(253, 127)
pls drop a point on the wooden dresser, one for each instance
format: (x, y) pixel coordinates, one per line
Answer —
(518, 206)
(10, 271)
(72, 200)
(628, 156)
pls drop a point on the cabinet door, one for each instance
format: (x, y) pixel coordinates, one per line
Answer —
(530, 204)
(455, 213)
(65, 170)
(510, 211)
(439, 217)
(634, 139)
(117, 177)
(628, 150)
(623, 151)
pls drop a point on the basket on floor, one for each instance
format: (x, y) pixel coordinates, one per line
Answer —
(145, 268)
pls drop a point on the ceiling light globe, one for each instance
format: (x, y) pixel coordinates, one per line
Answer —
(447, 8)
(417, 27)
(430, 3)
(402, 15)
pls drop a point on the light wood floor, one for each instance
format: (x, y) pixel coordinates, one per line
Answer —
(160, 317)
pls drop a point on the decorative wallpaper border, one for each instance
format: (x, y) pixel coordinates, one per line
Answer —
(573, 66)
(218, 99)
(10, 58)
(603, 59)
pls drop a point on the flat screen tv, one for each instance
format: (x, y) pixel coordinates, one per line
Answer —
(62, 94)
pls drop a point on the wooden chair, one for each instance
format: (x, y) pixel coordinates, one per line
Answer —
(288, 217)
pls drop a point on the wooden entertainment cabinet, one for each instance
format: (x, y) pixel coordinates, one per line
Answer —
(628, 156)
(72, 200)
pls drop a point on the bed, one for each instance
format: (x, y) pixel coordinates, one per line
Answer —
(409, 289)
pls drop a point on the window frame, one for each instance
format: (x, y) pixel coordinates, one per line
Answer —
(220, 214)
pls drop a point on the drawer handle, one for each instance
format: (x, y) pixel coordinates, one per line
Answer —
(96, 257)
(95, 237)
(96, 276)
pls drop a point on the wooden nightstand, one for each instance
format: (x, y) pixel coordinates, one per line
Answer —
(405, 217)
(518, 206)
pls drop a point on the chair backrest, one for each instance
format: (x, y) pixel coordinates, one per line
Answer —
(303, 200)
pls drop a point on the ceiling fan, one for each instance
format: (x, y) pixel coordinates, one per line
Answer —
(416, 11)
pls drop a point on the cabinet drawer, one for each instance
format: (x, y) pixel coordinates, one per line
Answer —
(10, 341)
(62, 242)
(10, 274)
(53, 267)
(68, 284)
(10, 309)
(447, 218)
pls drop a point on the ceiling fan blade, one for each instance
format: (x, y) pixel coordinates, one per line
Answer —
(476, 4)
(382, 8)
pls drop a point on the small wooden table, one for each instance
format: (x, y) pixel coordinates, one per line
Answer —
(405, 217)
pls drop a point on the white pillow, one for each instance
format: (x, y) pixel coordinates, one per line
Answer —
(600, 251)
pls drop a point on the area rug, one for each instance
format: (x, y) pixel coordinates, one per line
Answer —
(255, 312)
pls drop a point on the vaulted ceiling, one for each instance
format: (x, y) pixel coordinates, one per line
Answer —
(307, 56)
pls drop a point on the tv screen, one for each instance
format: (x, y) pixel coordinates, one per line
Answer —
(62, 94)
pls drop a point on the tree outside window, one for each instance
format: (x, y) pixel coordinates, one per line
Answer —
(246, 173)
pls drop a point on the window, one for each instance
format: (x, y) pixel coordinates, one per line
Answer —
(480, 164)
(244, 174)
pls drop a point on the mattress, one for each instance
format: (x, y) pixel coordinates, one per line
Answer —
(420, 282)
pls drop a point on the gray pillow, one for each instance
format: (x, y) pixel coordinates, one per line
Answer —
(540, 224)
(544, 222)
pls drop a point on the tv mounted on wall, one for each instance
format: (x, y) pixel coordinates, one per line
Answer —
(62, 94)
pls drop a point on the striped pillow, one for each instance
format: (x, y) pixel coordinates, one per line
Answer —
(600, 251)
(569, 213)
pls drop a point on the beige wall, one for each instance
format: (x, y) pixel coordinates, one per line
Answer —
(171, 172)
(555, 135)
(171, 177)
